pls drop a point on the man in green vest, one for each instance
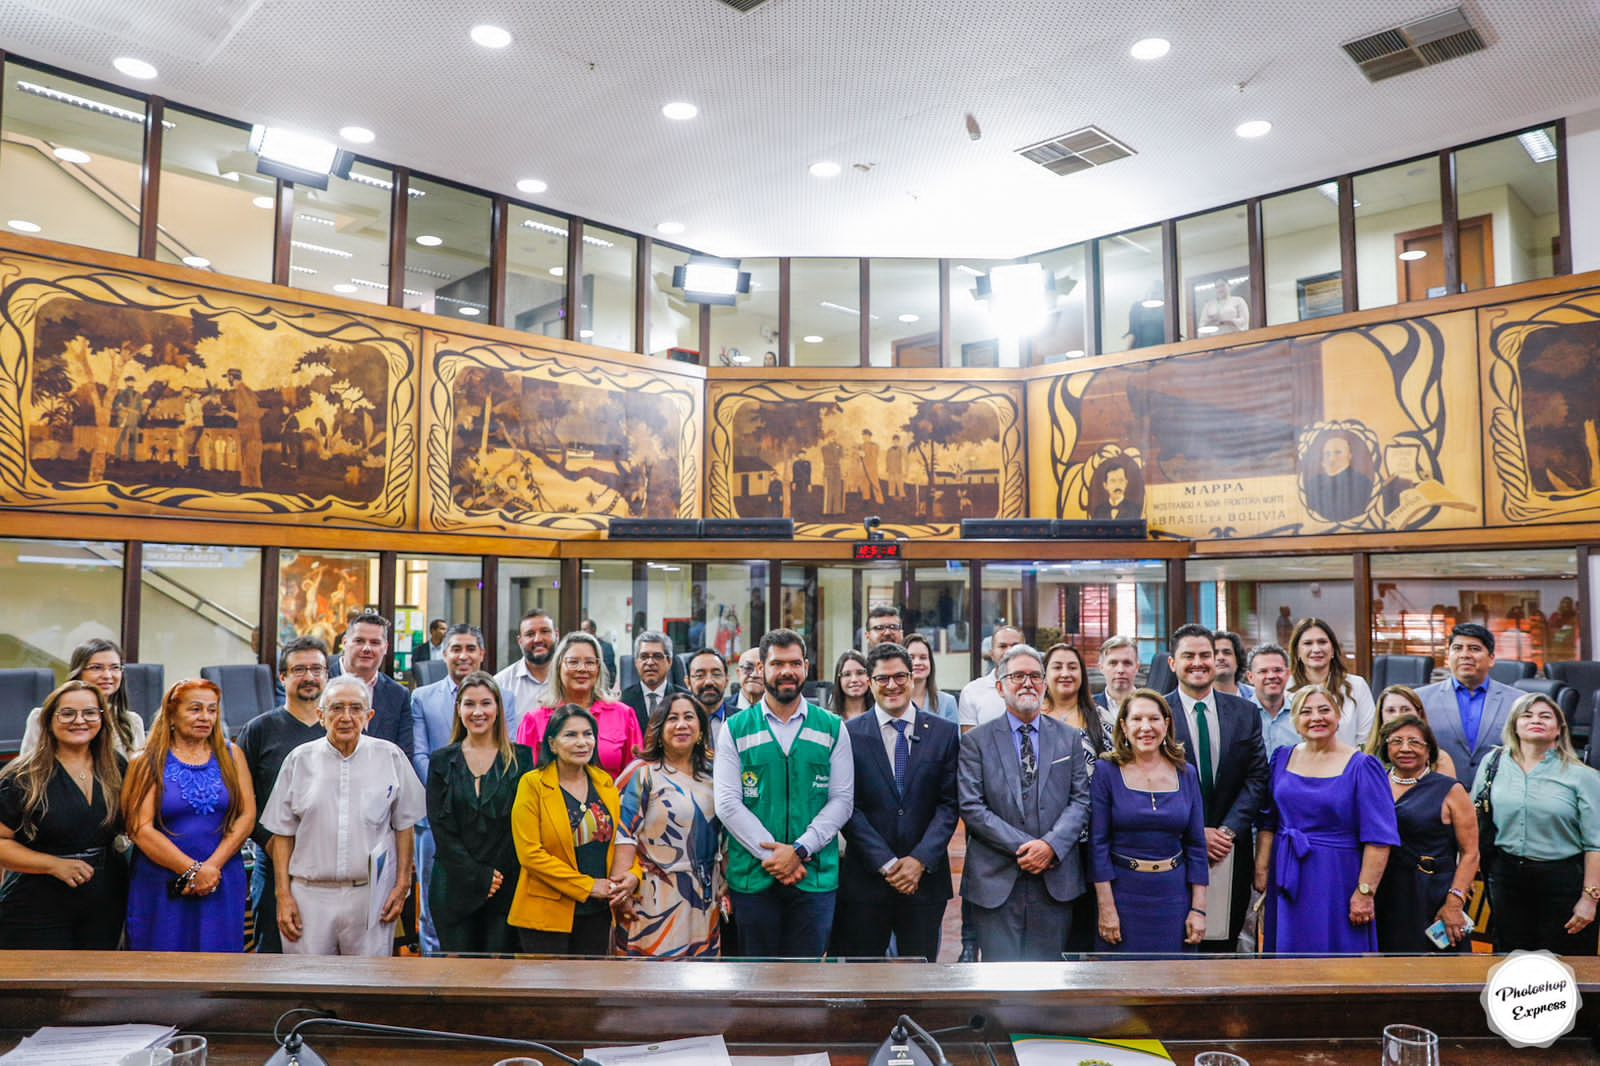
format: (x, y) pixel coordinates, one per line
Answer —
(785, 780)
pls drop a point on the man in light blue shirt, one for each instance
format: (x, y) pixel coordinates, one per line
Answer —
(1269, 671)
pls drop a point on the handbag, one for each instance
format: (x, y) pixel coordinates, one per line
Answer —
(1487, 851)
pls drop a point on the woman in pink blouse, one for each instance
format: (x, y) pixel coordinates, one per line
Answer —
(579, 679)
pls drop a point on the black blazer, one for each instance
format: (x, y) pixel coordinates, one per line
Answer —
(633, 696)
(885, 825)
(1240, 789)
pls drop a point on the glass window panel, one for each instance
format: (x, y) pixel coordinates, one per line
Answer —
(607, 598)
(447, 251)
(746, 334)
(672, 605)
(199, 606)
(525, 584)
(1398, 212)
(536, 269)
(828, 605)
(736, 607)
(208, 183)
(429, 587)
(71, 160)
(674, 321)
(825, 312)
(1301, 231)
(905, 312)
(607, 315)
(1063, 336)
(1528, 599)
(1507, 203)
(341, 234)
(319, 592)
(1262, 599)
(1214, 274)
(1133, 306)
(975, 335)
(939, 608)
(57, 594)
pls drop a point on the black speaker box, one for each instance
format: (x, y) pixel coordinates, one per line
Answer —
(655, 529)
(747, 528)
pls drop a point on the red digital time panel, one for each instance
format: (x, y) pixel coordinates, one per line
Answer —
(872, 550)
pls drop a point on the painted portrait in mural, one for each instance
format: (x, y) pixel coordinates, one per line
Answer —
(1338, 470)
(1116, 484)
(319, 594)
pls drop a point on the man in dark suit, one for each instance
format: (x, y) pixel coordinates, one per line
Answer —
(1119, 661)
(1468, 711)
(652, 660)
(432, 645)
(895, 876)
(608, 654)
(1221, 734)
(1023, 784)
(366, 642)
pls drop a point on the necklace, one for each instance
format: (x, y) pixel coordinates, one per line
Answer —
(1406, 782)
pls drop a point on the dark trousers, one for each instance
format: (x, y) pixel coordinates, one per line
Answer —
(783, 922)
(484, 931)
(42, 914)
(591, 935)
(264, 894)
(863, 929)
(1030, 926)
(1530, 902)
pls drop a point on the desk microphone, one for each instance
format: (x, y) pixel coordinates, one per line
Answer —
(898, 1050)
(294, 1051)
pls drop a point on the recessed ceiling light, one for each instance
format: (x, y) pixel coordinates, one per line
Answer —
(1150, 48)
(681, 110)
(358, 134)
(585, 334)
(266, 203)
(490, 36)
(134, 68)
(22, 225)
(1151, 305)
(72, 155)
(428, 240)
(558, 271)
(346, 287)
(824, 169)
(199, 262)
(670, 227)
(908, 318)
(812, 338)
(470, 312)
(1076, 353)
(533, 185)
(1256, 127)
(1413, 255)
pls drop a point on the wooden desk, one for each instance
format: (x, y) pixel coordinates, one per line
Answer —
(1275, 1012)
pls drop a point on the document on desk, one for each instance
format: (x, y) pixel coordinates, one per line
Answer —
(381, 874)
(1071, 1050)
(817, 1058)
(690, 1051)
(85, 1045)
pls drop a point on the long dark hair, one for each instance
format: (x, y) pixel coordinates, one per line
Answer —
(558, 718)
(35, 769)
(506, 760)
(655, 750)
(117, 703)
(931, 693)
(836, 695)
(1085, 703)
(1338, 682)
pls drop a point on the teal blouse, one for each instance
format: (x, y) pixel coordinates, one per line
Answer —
(1548, 814)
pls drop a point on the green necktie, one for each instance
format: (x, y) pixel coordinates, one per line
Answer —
(1203, 739)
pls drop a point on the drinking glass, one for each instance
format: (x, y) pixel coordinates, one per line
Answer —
(1218, 1058)
(188, 1050)
(150, 1056)
(1409, 1045)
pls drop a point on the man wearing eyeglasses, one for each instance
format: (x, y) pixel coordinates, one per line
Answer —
(652, 661)
(883, 626)
(266, 740)
(895, 876)
(1023, 784)
(752, 683)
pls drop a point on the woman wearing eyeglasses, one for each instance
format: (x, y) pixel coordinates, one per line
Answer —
(99, 662)
(578, 678)
(850, 697)
(59, 814)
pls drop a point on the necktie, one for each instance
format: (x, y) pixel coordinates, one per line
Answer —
(902, 752)
(1030, 760)
(650, 702)
(1202, 729)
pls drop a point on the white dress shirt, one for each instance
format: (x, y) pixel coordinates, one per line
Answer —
(1213, 726)
(741, 822)
(980, 701)
(522, 692)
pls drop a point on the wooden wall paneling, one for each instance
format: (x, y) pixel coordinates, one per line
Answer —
(1347, 242)
(1362, 562)
(489, 619)
(267, 626)
(282, 232)
(399, 213)
(1450, 222)
(1255, 236)
(388, 570)
(150, 176)
(132, 595)
(574, 278)
(1177, 598)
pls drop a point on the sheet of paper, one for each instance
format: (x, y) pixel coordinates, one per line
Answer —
(689, 1051)
(1219, 898)
(381, 873)
(819, 1058)
(89, 1045)
(1072, 1050)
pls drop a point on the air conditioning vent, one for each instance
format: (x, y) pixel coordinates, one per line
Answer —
(1426, 41)
(1075, 151)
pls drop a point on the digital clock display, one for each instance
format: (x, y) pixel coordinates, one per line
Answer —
(867, 551)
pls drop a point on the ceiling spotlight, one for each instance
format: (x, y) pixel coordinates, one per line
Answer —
(346, 287)
(558, 271)
(1076, 353)
(1256, 127)
(824, 169)
(1151, 305)
(72, 155)
(298, 157)
(1413, 254)
(670, 227)
(680, 110)
(22, 225)
(357, 134)
(266, 203)
(487, 36)
(908, 318)
(199, 262)
(428, 240)
(470, 312)
(531, 185)
(812, 338)
(134, 68)
(1150, 48)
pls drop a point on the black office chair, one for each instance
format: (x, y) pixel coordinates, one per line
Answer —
(246, 692)
(1510, 671)
(145, 684)
(1583, 675)
(1413, 671)
(680, 667)
(1564, 695)
(21, 690)
(626, 674)
(428, 671)
(1161, 678)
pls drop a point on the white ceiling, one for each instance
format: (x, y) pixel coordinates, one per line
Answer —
(575, 101)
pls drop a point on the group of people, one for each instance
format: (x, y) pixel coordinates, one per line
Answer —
(540, 810)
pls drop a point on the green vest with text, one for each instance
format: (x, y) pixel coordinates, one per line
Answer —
(785, 791)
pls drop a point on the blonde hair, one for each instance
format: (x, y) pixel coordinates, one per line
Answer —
(1301, 695)
(1513, 743)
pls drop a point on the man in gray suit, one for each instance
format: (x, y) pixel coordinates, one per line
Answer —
(1468, 711)
(1023, 783)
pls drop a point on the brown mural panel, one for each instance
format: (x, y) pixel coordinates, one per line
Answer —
(521, 440)
(921, 456)
(127, 394)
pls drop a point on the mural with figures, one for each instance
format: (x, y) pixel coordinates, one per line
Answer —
(921, 456)
(525, 440)
(128, 394)
(1359, 430)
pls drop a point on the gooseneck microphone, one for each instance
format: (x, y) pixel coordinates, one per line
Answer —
(294, 1051)
(898, 1050)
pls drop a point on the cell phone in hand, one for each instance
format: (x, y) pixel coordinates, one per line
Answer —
(1441, 936)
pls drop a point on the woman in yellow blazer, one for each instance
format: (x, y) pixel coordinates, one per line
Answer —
(576, 859)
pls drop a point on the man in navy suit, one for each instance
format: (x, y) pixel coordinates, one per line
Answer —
(1468, 711)
(1119, 661)
(895, 876)
(366, 642)
(1221, 735)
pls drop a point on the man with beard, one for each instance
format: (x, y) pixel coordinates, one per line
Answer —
(525, 684)
(266, 741)
(708, 683)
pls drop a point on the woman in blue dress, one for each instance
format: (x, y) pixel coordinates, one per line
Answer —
(1327, 829)
(189, 807)
(1147, 836)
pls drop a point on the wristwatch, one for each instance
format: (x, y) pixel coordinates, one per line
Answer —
(1592, 891)
(1365, 889)
(802, 852)
(1225, 831)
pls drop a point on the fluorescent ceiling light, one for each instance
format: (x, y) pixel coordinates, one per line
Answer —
(346, 287)
(1020, 301)
(470, 312)
(680, 110)
(545, 227)
(297, 157)
(1413, 254)
(1151, 305)
(558, 271)
(908, 318)
(1206, 331)
(72, 155)
(428, 240)
(383, 183)
(1150, 48)
(134, 68)
(1538, 144)
(321, 249)
(1256, 127)
(358, 134)
(718, 278)
(824, 169)
(56, 560)
(669, 227)
(199, 262)
(22, 225)
(316, 220)
(531, 185)
(295, 268)
(381, 287)
(486, 36)
(1076, 353)
(99, 108)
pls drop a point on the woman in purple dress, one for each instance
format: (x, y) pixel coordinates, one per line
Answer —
(1327, 830)
(1147, 836)
(189, 807)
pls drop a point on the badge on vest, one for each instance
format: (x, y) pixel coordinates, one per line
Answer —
(819, 783)
(752, 784)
